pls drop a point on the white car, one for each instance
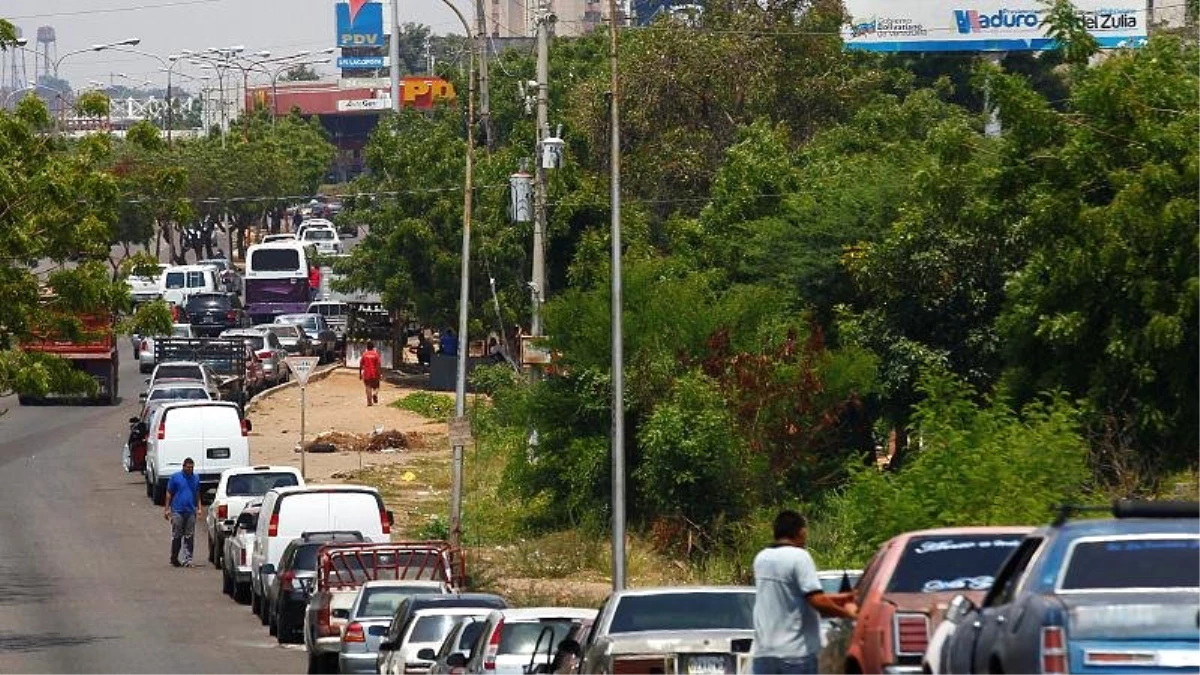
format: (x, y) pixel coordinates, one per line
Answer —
(236, 488)
(326, 239)
(271, 238)
(235, 556)
(514, 640)
(186, 370)
(312, 222)
(145, 289)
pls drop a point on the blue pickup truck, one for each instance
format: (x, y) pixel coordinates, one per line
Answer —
(1109, 595)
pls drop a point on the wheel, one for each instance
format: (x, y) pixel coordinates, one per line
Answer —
(227, 585)
(264, 612)
(159, 494)
(241, 592)
(272, 623)
(255, 603)
(314, 664)
(149, 490)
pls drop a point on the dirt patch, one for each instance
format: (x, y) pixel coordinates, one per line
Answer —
(386, 441)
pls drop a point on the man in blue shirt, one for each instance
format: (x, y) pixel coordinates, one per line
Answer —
(182, 509)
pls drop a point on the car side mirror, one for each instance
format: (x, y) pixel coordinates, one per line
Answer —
(340, 613)
(141, 429)
(571, 647)
(142, 397)
(456, 660)
(427, 654)
(267, 570)
(147, 380)
(133, 420)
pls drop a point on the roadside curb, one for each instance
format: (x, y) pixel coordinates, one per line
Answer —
(318, 374)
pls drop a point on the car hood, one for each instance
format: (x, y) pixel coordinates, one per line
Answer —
(676, 641)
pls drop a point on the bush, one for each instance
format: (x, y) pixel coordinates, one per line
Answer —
(977, 465)
(434, 406)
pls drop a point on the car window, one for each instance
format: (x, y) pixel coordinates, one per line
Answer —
(1011, 573)
(431, 628)
(1143, 563)
(382, 602)
(181, 331)
(306, 557)
(254, 484)
(182, 371)
(469, 634)
(272, 341)
(255, 342)
(683, 611)
(179, 394)
(175, 280)
(275, 260)
(208, 300)
(951, 562)
(834, 584)
(522, 638)
(318, 235)
(195, 279)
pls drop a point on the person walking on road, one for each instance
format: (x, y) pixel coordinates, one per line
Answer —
(314, 282)
(369, 366)
(182, 507)
(789, 602)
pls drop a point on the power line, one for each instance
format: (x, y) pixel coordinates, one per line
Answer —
(111, 10)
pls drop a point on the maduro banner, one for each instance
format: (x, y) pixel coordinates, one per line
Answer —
(982, 25)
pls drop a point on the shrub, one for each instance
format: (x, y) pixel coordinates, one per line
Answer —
(426, 404)
(977, 465)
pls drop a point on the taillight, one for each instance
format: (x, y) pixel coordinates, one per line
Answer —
(264, 354)
(354, 633)
(324, 629)
(1054, 650)
(286, 579)
(493, 648)
(245, 427)
(145, 346)
(273, 526)
(912, 634)
(383, 522)
(231, 315)
(162, 429)
(222, 512)
(243, 557)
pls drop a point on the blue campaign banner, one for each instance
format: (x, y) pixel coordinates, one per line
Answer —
(359, 62)
(359, 24)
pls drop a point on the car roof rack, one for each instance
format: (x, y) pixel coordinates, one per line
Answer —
(1132, 508)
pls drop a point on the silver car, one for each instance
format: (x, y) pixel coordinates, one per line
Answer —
(291, 337)
(269, 350)
(371, 616)
(145, 346)
(459, 641)
(519, 641)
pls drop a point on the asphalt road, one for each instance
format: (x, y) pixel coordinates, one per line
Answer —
(85, 584)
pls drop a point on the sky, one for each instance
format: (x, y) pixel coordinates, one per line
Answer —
(167, 26)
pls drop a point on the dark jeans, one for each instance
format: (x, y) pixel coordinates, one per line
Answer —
(183, 531)
(764, 665)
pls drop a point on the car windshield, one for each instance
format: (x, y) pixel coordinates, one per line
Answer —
(181, 330)
(1142, 563)
(319, 235)
(275, 260)
(523, 638)
(175, 280)
(432, 628)
(179, 394)
(951, 562)
(684, 611)
(183, 371)
(255, 342)
(284, 331)
(258, 483)
(382, 601)
(306, 321)
(208, 300)
(834, 584)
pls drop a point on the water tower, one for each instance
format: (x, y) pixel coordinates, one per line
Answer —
(16, 59)
(48, 48)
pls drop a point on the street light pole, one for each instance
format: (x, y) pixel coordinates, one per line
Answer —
(464, 297)
(128, 42)
(618, 364)
(174, 59)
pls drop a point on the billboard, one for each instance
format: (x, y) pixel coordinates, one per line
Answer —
(359, 24)
(982, 25)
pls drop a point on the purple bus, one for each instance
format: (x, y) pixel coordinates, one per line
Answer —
(277, 280)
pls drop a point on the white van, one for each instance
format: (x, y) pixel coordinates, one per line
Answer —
(289, 512)
(212, 433)
(180, 282)
(276, 279)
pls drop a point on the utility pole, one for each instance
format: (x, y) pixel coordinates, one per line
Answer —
(618, 362)
(429, 55)
(394, 55)
(544, 20)
(485, 105)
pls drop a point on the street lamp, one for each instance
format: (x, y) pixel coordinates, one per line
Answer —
(173, 59)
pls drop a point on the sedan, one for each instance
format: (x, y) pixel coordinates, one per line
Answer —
(323, 339)
(291, 337)
(369, 619)
(269, 350)
(145, 346)
(212, 313)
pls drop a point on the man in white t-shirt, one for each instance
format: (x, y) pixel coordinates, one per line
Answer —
(789, 602)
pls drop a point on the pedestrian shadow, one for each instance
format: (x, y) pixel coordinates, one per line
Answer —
(36, 642)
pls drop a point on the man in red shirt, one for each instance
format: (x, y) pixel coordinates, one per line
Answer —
(369, 366)
(314, 282)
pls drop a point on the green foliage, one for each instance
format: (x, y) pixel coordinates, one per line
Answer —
(428, 404)
(151, 318)
(92, 104)
(978, 465)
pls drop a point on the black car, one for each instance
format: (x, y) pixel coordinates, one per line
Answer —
(212, 313)
(287, 597)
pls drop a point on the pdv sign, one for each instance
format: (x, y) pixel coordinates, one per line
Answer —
(359, 24)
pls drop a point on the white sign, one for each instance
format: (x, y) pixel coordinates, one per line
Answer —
(302, 366)
(358, 104)
(460, 431)
(365, 82)
(982, 25)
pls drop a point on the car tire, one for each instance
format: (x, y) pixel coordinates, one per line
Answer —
(314, 664)
(149, 490)
(212, 549)
(255, 603)
(272, 624)
(227, 585)
(158, 494)
(241, 592)
(264, 612)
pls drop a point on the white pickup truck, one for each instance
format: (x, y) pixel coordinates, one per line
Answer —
(144, 289)
(237, 488)
(235, 556)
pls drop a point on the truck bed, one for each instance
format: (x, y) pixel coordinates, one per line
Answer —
(227, 358)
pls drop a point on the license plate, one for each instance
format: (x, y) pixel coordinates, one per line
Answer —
(218, 453)
(705, 665)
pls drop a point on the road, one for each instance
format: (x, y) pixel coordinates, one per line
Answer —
(85, 584)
